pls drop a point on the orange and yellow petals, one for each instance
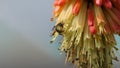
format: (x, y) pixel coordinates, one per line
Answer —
(88, 28)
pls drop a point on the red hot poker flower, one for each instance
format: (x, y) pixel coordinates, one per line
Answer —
(88, 31)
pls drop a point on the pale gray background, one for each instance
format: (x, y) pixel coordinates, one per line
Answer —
(24, 35)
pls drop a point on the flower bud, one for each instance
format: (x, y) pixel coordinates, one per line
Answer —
(61, 2)
(55, 3)
(90, 17)
(98, 2)
(76, 8)
(91, 23)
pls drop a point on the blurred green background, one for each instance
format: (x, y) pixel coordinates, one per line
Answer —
(25, 27)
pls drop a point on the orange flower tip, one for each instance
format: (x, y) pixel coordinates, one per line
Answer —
(98, 2)
(76, 8)
(93, 30)
(55, 3)
(61, 2)
(107, 4)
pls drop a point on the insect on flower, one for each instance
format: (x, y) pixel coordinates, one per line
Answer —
(88, 28)
(59, 28)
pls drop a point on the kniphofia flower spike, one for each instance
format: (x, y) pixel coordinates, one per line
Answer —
(88, 28)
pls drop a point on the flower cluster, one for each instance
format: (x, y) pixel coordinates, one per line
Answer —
(88, 28)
